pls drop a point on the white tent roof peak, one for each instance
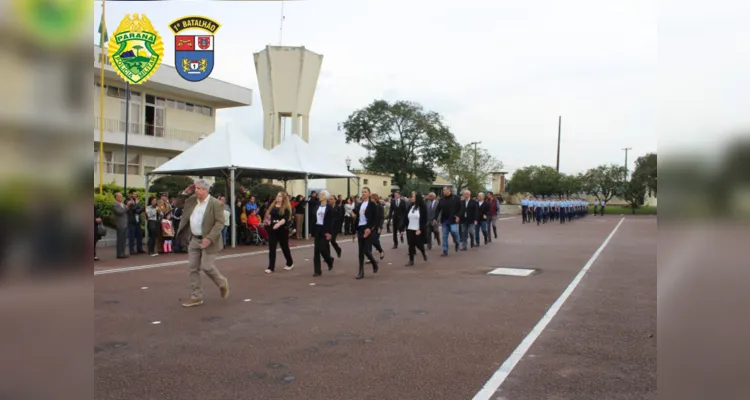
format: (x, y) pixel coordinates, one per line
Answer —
(224, 150)
(295, 151)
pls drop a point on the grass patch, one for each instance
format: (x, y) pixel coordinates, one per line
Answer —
(617, 210)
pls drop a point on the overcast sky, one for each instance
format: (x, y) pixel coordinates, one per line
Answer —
(500, 72)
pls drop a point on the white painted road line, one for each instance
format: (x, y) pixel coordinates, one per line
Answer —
(252, 253)
(497, 379)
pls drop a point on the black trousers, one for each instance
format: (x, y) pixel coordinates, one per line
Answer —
(278, 237)
(524, 214)
(397, 227)
(320, 248)
(430, 231)
(335, 244)
(415, 242)
(153, 234)
(365, 247)
(376, 241)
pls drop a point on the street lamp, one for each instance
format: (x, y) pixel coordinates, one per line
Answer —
(348, 179)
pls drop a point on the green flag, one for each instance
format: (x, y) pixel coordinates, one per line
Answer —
(103, 26)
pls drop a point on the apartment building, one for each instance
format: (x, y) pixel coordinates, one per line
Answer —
(167, 115)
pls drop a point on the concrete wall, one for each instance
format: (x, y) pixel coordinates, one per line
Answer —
(287, 78)
(378, 183)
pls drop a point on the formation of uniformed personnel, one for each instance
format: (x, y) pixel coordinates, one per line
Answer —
(546, 209)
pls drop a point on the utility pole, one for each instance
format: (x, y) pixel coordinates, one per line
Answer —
(626, 161)
(559, 132)
(475, 157)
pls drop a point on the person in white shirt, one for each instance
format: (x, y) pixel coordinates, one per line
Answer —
(366, 219)
(416, 227)
(203, 222)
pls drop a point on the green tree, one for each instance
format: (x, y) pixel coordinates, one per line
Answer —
(635, 192)
(138, 50)
(401, 139)
(470, 168)
(171, 184)
(539, 180)
(604, 182)
(570, 185)
(646, 172)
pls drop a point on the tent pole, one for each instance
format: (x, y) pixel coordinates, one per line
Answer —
(146, 200)
(231, 208)
(307, 213)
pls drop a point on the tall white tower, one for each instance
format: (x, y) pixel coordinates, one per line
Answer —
(287, 77)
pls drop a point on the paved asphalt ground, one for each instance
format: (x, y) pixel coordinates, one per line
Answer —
(438, 330)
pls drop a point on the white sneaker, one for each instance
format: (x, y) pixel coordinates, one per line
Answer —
(268, 271)
(289, 268)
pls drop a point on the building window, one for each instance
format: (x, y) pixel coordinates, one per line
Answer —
(364, 181)
(134, 163)
(385, 183)
(151, 163)
(108, 165)
(189, 107)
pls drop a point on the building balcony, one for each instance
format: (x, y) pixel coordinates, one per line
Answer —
(146, 135)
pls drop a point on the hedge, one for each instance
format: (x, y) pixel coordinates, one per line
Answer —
(105, 202)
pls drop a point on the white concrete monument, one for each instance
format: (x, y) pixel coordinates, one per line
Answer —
(287, 77)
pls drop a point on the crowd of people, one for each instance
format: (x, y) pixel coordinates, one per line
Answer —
(197, 223)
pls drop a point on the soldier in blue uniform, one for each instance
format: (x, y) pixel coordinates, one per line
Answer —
(539, 211)
(524, 209)
(561, 211)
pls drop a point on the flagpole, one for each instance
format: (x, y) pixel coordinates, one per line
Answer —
(101, 102)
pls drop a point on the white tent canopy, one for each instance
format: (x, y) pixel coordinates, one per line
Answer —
(223, 151)
(295, 151)
(224, 154)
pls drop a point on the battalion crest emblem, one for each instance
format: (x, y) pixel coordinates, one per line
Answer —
(194, 53)
(136, 49)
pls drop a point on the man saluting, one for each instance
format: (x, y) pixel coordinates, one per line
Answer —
(202, 223)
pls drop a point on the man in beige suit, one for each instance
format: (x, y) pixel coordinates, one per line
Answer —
(202, 223)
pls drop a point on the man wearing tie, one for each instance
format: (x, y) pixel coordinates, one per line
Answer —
(397, 213)
(432, 226)
(468, 218)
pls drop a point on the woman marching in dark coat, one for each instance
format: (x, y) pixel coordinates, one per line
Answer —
(416, 225)
(365, 220)
(381, 218)
(337, 224)
(323, 218)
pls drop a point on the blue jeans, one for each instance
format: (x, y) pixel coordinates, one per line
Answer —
(453, 229)
(467, 232)
(225, 234)
(483, 226)
(135, 238)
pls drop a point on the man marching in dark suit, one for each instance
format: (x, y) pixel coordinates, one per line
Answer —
(397, 215)
(468, 218)
(432, 225)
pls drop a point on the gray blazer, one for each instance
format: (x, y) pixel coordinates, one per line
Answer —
(121, 215)
(431, 207)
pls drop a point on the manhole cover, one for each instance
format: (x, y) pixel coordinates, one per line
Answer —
(512, 271)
